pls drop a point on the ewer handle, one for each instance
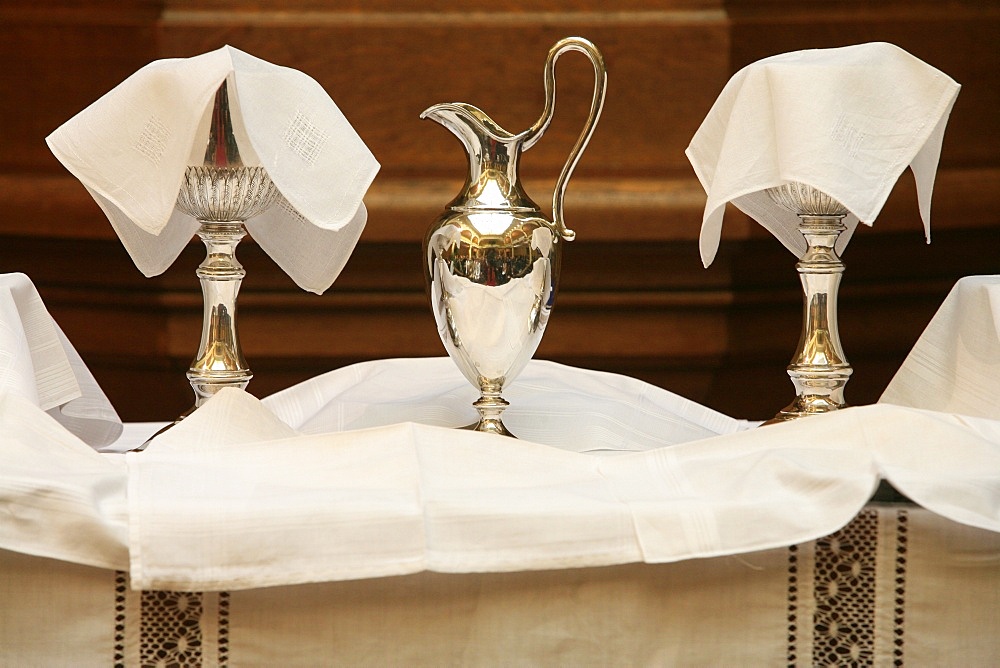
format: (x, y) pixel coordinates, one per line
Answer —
(597, 104)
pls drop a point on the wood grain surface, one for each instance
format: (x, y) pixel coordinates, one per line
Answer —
(633, 298)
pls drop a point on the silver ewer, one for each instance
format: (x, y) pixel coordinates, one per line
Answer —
(819, 370)
(492, 258)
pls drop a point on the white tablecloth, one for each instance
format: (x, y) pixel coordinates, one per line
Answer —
(955, 364)
(897, 586)
(235, 498)
(279, 514)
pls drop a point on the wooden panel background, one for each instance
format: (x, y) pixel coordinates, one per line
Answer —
(634, 297)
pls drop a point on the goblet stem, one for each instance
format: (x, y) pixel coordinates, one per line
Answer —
(219, 362)
(819, 371)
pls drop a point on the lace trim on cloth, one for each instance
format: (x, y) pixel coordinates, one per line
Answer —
(121, 589)
(223, 628)
(793, 604)
(170, 629)
(843, 577)
(900, 590)
(844, 587)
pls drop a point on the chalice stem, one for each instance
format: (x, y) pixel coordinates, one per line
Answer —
(819, 371)
(220, 361)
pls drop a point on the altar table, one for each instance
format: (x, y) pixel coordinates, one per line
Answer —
(700, 541)
(897, 586)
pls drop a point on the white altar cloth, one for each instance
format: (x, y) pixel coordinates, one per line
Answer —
(897, 586)
(198, 549)
(39, 364)
(955, 364)
(234, 498)
(359, 473)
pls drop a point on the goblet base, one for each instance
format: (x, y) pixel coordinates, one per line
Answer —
(803, 408)
(490, 427)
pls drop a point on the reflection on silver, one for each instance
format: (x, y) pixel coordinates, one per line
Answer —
(220, 194)
(820, 369)
(491, 296)
(492, 259)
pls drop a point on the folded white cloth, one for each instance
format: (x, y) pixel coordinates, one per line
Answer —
(207, 514)
(234, 497)
(131, 147)
(58, 497)
(40, 365)
(847, 121)
(558, 405)
(954, 366)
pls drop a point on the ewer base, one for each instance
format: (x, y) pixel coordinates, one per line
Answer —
(490, 407)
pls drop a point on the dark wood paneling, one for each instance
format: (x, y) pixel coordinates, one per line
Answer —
(58, 58)
(633, 298)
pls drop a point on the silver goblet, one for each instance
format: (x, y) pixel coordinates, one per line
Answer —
(221, 194)
(819, 370)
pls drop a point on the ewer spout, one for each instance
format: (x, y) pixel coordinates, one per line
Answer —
(494, 154)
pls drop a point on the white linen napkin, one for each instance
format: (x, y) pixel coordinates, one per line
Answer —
(846, 121)
(131, 147)
(40, 365)
(954, 366)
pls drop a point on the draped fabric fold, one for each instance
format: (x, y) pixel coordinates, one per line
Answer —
(131, 147)
(847, 121)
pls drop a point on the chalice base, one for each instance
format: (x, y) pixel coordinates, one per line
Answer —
(819, 391)
(205, 386)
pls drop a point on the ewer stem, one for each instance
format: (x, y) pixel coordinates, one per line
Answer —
(490, 405)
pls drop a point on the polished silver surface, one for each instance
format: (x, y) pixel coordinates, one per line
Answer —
(819, 370)
(492, 258)
(221, 194)
(492, 284)
(805, 200)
